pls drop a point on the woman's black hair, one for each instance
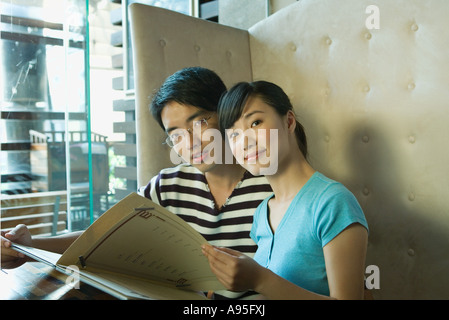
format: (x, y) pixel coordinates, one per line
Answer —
(234, 101)
(194, 86)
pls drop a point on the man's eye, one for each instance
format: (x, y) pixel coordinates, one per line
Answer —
(200, 123)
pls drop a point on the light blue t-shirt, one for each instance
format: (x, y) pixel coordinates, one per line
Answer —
(318, 213)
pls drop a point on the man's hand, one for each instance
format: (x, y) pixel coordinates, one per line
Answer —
(11, 258)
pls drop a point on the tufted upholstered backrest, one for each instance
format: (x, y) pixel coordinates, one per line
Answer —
(374, 103)
(164, 42)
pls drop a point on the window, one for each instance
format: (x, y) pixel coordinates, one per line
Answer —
(47, 147)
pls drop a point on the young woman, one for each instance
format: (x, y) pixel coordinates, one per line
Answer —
(311, 232)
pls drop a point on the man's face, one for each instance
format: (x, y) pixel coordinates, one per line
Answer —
(187, 127)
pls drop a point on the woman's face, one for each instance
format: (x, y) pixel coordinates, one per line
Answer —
(192, 130)
(259, 137)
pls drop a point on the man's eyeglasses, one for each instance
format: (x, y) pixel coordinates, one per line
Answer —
(178, 136)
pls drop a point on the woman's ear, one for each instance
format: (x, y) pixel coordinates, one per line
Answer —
(291, 121)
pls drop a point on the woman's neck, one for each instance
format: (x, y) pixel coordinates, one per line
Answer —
(291, 176)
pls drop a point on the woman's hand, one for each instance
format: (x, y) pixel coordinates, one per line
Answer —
(238, 272)
(235, 270)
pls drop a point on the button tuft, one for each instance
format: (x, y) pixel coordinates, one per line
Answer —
(365, 191)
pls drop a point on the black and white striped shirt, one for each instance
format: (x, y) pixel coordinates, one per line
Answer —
(184, 191)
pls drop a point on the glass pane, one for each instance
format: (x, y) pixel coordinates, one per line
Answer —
(48, 153)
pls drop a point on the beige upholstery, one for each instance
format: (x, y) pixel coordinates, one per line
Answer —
(374, 103)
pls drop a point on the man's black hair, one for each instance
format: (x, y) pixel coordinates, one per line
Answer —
(193, 86)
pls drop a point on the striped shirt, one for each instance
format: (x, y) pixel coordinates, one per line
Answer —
(184, 191)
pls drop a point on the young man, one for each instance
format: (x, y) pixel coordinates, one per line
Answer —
(218, 199)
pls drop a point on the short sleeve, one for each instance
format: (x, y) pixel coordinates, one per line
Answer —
(335, 213)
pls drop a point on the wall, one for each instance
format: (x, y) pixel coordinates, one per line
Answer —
(245, 13)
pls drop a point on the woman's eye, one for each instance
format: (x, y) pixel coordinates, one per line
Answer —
(255, 123)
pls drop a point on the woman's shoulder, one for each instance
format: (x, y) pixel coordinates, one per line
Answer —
(328, 186)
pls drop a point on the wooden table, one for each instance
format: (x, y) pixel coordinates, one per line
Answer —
(38, 281)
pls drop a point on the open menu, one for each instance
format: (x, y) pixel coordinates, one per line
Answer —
(137, 250)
